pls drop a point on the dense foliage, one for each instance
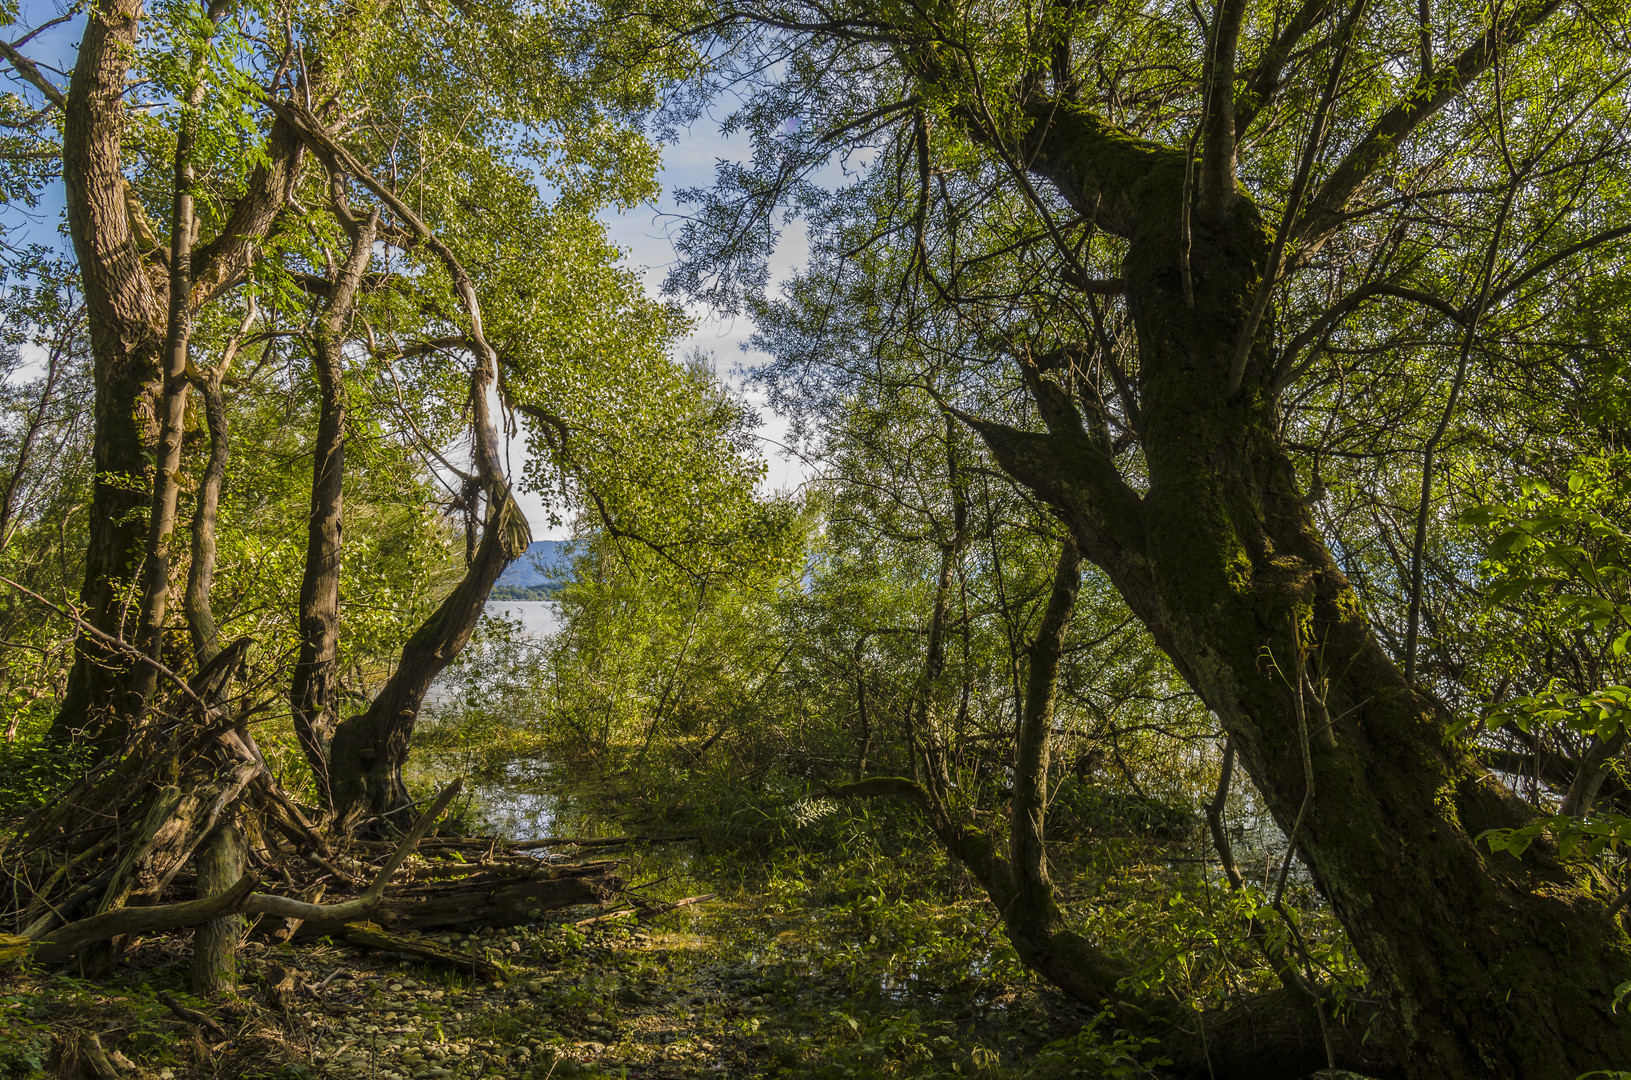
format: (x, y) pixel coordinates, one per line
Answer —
(1214, 553)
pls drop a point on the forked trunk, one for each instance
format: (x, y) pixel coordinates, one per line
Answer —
(369, 750)
(1492, 966)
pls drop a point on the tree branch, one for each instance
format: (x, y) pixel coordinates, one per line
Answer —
(1429, 94)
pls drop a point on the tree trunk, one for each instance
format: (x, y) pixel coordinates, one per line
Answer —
(369, 750)
(195, 602)
(161, 517)
(125, 312)
(215, 943)
(125, 302)
(1491, 965)
(312, 693)
(1267, 1036)
(1027, 848)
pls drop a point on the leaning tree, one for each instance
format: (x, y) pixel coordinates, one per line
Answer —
(1174, 266)
(353, 190)
(384, 213)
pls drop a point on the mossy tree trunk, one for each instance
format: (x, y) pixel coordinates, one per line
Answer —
(215, 943)
(1491, 965)
(125, 308)
(127, 294)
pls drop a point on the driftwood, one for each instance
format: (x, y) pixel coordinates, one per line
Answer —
(566, 841)
(280, 987)
(484, 898)
(68, 940)
(287, 929)
(77, 936)
(368, 935)
(687, 902)
(198, 810)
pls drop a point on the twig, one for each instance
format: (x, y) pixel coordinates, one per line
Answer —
(193, 1016)
(318, 989)
(118, 643)
(619, 914)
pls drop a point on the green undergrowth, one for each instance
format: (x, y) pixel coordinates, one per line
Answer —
(31, 768)
(841, 942)
(872, 953)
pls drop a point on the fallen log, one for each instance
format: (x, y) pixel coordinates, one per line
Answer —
(593, 841)
(286, 930)
(69, 939)
(76, 936)
(487, 898)
(464, 843)
(369, 935)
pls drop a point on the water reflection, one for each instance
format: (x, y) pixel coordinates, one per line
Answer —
(521, 804)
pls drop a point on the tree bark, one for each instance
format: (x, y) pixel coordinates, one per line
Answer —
(126, 302)
(1027, 848)
(369, 750)
(1490, 965)
(195, 602)
(215, 943)
(161, 517)
(312, 693)
(125, 311)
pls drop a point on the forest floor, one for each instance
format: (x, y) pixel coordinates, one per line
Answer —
(810, 972)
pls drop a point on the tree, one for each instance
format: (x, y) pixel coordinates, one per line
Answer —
(235, 148)
(353, 221)
(1145, 254)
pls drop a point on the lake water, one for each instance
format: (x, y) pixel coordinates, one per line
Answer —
(537, 618)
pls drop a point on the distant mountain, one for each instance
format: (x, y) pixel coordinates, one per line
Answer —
(531, 572)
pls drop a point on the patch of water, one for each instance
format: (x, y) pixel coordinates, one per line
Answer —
(519, 806)
(537, 618)
(530, 620)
